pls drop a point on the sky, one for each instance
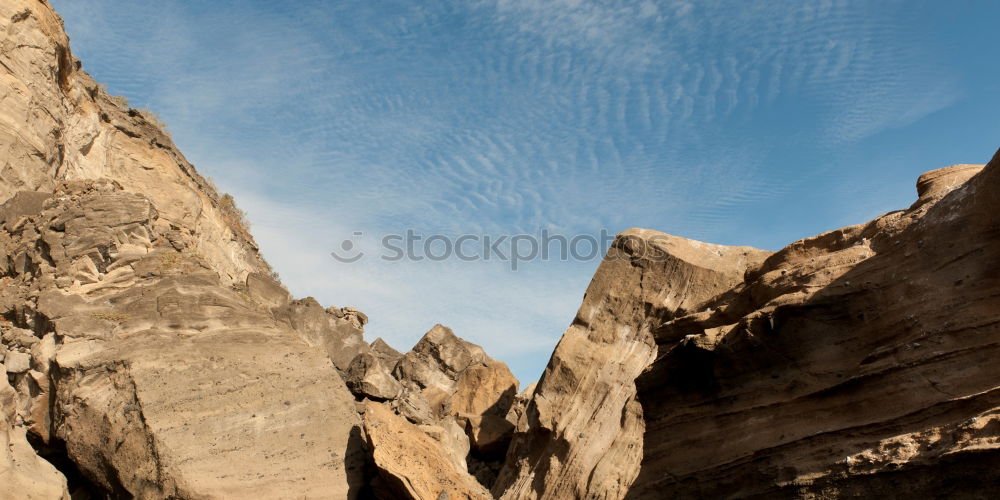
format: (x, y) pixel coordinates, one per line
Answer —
(733, 122)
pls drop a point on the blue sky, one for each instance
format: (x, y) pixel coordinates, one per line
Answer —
(752, 123)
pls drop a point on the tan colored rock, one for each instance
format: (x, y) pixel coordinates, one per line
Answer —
(455, 376)
(853, 363)
(17, 362)
(266, 291)
(341, 335)
(437, 360)
(146, 340)
(516, 413)
(935, 184)
(160, 414)
(583, 431)
(61, 126)
(448, 381)
(484, 389)
(386, 354)
(23, 474)
(411, 463)
(368, 377)
(161, 369)
(451, 438)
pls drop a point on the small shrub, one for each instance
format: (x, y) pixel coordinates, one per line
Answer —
(112, 317)
(170, 261)
(233, 214)
(154, 119)
(211, 184)
(119, 100)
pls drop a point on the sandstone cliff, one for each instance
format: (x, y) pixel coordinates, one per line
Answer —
(148, 352)
(857, 362)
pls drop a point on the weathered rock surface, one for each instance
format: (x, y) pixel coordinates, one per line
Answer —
(385, 353)
(23, 474)
(410, 463)
(854, 363)
(456, 377)
(141, 332)
(582, 430)
(157, 376)
(340, 332)
(368, 377)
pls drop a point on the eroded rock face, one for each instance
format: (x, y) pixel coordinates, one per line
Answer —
(582, 430)
(853, 363)
(385, 353)
(23, 474)
(150, 368)
(410, 462)
(340, 332)
(140, 329)
(368, 377)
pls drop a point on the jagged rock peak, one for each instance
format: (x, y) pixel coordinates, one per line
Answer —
(582, 429)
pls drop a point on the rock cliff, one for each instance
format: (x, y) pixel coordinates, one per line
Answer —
(853, 363)
(149, 353)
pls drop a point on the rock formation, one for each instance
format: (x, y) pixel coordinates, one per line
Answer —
(853, 363)
(23, 474)
(149, 353)
(411, 464)
(582, 430)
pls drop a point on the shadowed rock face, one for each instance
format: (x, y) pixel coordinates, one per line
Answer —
(411, 464)
(852, 363)
(23, 474)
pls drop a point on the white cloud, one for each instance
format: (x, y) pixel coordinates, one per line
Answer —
(501, 117)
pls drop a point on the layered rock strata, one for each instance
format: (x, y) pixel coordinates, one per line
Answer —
(856, 362)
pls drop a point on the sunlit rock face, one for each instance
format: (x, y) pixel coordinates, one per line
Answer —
(143, 337)
(581, 432)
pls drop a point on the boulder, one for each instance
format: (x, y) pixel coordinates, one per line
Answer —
(411, 463)
(484, 389)
(266, 291)
(437, 360)
(340, 334)
(515, 415)
(17, 362)
(368, 377)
